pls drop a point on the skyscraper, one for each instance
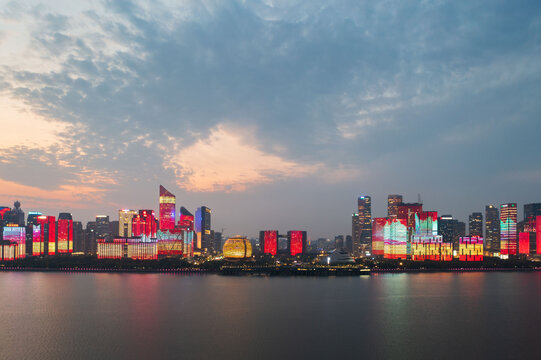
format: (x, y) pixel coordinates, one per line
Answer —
(296, 242)
(448, 229)
(476, 224)
(103, 229)
(167, 209)
(47, 239)
(78, 237)
(125, 222)
(186, 220)
(268, 240)
(508, 230)
(144, 224)
(392, 205)
(364, 209)
(492, 230)
(202, 228)
(65, 233)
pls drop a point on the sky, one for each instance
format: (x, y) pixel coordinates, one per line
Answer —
(275, 114)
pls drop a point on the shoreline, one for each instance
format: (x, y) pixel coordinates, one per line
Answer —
(268, 271)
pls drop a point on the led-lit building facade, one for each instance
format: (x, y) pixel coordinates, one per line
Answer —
(395, 239)
(508, 230)
(268, 241)
(167, 209)
(144, 224)
(47, 244)
(470, 248)
(378, 244)
(14, 242)
(124, 248)
(37, 244)
(170, 243)
(125, 222)
(296, 242)
(429, 247)
(492, 230)
(392, 205)
(237, 247)
(538, 235)
(524, 243)
(65, 233)
(426, 244)
(186, 220)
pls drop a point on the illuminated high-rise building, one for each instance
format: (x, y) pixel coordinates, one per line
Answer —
(268, 240)
(47, 239)
(144, 225)
(167, 209)
(65, 233)
(125, 222)
(538, 235)
(492, 230)
(508, 230)
(203, 228)
(426, 244)
(364, 211)
(392, 205)
(186, 220)
(476, 224)
(395, 239)
(378, 225)
(296, 242)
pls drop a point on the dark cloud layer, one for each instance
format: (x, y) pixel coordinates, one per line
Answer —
(438, 98)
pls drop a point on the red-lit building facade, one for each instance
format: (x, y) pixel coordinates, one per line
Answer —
(167, 209)
(470, 248)
(47, 239)
(296, 242)
(268, 240)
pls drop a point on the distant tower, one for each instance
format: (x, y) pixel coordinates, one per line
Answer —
(167, 209)
(476, 224)
(392, 205)
(508, 229)
(364, 209)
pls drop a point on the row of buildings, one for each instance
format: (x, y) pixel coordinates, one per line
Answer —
(409, 232)
(136, 234)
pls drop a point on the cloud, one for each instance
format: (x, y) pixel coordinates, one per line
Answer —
(229, 160)
(71, 196)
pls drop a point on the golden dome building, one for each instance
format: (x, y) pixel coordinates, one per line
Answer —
(237, 247)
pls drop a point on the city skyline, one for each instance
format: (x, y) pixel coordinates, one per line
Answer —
(275, 115)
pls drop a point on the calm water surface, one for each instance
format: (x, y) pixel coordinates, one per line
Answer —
(159, 316)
